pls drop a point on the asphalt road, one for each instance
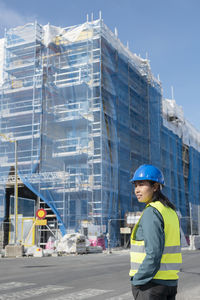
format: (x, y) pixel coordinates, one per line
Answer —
(92, 276)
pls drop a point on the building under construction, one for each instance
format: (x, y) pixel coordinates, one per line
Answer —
(79, 112)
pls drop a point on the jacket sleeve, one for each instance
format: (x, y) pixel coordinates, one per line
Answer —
(151, 230)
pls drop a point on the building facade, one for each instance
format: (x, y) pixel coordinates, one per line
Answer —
(85, 113)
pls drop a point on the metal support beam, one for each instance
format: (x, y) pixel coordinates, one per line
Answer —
(16, 197)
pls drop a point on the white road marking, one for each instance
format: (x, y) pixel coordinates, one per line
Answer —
(26, 294)
(126, 296)
(11, 285)
(84, 294)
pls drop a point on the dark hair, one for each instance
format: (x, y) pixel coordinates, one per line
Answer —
(159, 196)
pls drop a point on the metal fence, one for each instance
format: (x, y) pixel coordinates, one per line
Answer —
(190, 226)
(27, 234)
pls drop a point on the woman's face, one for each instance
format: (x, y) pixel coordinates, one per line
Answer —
(144, 191)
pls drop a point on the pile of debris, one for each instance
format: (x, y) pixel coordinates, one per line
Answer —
(76, 243)
(73, 243)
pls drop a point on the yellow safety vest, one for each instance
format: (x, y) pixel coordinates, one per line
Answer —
(171, 258)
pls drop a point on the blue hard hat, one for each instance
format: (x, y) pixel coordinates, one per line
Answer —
(148, 172)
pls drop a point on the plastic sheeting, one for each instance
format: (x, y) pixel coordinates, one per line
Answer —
(1, 60)
(86, 112)
(173, 118)
(180, 160)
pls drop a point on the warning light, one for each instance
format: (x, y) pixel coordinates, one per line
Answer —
(41, 213)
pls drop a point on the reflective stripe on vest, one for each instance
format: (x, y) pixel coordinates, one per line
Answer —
(171, 258)
(163, 267)
(170, 249)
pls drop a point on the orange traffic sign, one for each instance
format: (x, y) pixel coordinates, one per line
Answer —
(41, 222)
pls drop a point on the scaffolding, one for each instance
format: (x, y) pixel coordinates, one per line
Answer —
(181, 151)
(86, 112)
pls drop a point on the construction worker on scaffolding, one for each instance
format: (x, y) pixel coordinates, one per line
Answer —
(155, 240)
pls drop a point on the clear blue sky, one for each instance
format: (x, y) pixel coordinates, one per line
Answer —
(168, 30)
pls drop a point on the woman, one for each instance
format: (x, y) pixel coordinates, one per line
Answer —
(155, 240)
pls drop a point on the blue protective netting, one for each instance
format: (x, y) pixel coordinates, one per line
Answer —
(86, 113)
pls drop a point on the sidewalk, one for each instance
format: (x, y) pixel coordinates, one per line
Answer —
(189, 281)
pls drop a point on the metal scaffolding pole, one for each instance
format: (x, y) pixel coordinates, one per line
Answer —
(16, 197)
(15, 188)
